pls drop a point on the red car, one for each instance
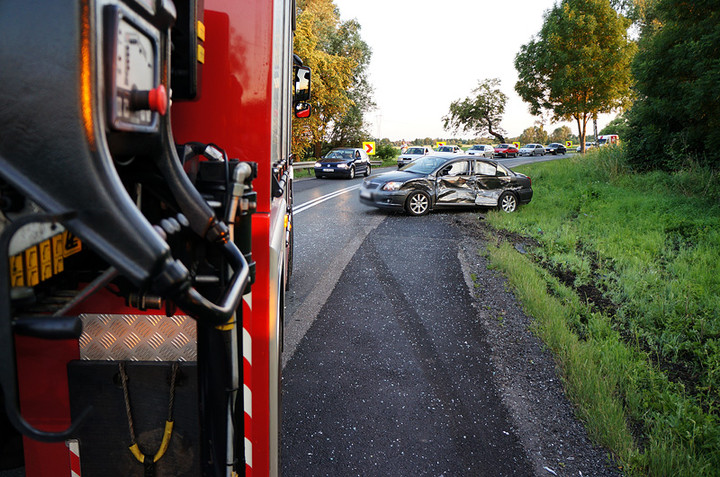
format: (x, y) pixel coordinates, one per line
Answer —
(506, 150)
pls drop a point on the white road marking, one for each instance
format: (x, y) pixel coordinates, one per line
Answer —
(323, 198)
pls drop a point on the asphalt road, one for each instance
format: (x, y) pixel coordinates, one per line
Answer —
(386, 368)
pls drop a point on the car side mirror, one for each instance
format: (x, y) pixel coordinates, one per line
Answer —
(302, 84)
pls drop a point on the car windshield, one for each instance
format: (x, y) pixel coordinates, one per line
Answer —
(445, 149)
(502, 146)
(414, 150)
(475, 148)
(528, 146)
(339, 154)
(425, 165)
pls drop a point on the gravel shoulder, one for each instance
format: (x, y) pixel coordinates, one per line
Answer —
(527, 376)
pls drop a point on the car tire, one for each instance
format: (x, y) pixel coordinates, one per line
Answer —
(368, 170)
(352, 173)
(508, 202)
(417, 203)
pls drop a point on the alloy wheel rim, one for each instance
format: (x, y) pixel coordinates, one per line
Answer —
(418, 204)
(508, 203)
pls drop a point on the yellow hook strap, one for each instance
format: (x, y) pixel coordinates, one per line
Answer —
(135, 449)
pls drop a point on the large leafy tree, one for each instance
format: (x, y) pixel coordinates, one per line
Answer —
(340, 90)
(350, 129)
(480, 113)
(677, 70)
(578, 66)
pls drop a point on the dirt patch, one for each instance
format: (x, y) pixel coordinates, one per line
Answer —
(553, 438)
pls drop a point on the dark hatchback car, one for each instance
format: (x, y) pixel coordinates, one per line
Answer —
(345, 162)
(556, 148)
(432, 182)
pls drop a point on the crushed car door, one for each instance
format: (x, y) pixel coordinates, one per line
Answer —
(491, 182)
(455, 184)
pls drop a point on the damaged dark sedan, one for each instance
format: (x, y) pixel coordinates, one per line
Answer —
(431, 182)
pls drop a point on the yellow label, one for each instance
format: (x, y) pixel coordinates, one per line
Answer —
(517, 145)
(568, 143)
(201, 30)
(17, 277)
(32, 270)
(72, 244)
(46, 263)
(58, 247)
(201, 54)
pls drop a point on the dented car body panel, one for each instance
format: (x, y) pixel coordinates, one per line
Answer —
(460, 181)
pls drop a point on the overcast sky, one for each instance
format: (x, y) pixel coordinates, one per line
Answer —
(426, 55)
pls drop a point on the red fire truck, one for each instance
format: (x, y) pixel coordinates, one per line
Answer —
(145, 232)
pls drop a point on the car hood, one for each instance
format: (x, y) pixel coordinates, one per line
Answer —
(329, 161)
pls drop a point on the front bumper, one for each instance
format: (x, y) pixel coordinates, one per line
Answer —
(383, 199)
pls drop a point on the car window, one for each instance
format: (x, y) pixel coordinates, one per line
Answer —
(456, 169)
(485, 169)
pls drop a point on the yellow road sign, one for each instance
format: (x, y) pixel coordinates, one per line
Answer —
(369, 148)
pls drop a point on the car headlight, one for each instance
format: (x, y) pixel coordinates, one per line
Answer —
(342, 166)
(392, 186)
(317, 164)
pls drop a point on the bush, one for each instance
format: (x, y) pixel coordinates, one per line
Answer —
(387, 152)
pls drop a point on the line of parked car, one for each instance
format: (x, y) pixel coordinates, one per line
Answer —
(483, 150)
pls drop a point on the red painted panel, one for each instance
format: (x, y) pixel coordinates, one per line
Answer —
(45, 403)
(234, 105)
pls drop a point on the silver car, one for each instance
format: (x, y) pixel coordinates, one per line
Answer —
(532, 150)
(482, 150)
(412, 153)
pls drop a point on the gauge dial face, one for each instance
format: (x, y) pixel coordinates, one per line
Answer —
(133, 69)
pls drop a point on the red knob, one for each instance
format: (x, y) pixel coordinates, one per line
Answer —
(157, 100)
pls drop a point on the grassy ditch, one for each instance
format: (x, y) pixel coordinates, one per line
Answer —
(623, 280)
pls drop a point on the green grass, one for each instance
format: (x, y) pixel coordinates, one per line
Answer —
(645, 372)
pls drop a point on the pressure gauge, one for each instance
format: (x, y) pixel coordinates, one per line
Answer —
(135, 95)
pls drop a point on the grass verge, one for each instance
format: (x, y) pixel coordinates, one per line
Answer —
(641, 354)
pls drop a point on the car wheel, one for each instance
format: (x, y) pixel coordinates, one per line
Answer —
(417, 203)
(507, 202)
(352, 172)
(368, 170)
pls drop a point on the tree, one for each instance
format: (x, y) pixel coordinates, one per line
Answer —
(677, 71)
(578, 66)
(561, 134)
(350, 129)
(534, 134)
(317, 42)
(480, 114)
(619, 125)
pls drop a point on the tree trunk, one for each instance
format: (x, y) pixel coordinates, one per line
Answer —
(497, 135)
(318, 150)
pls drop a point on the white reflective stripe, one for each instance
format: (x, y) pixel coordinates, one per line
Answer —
(248, 452)
(247, 346)
(323, 198)
(73, 446)
(247, 400)
(248, 300)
